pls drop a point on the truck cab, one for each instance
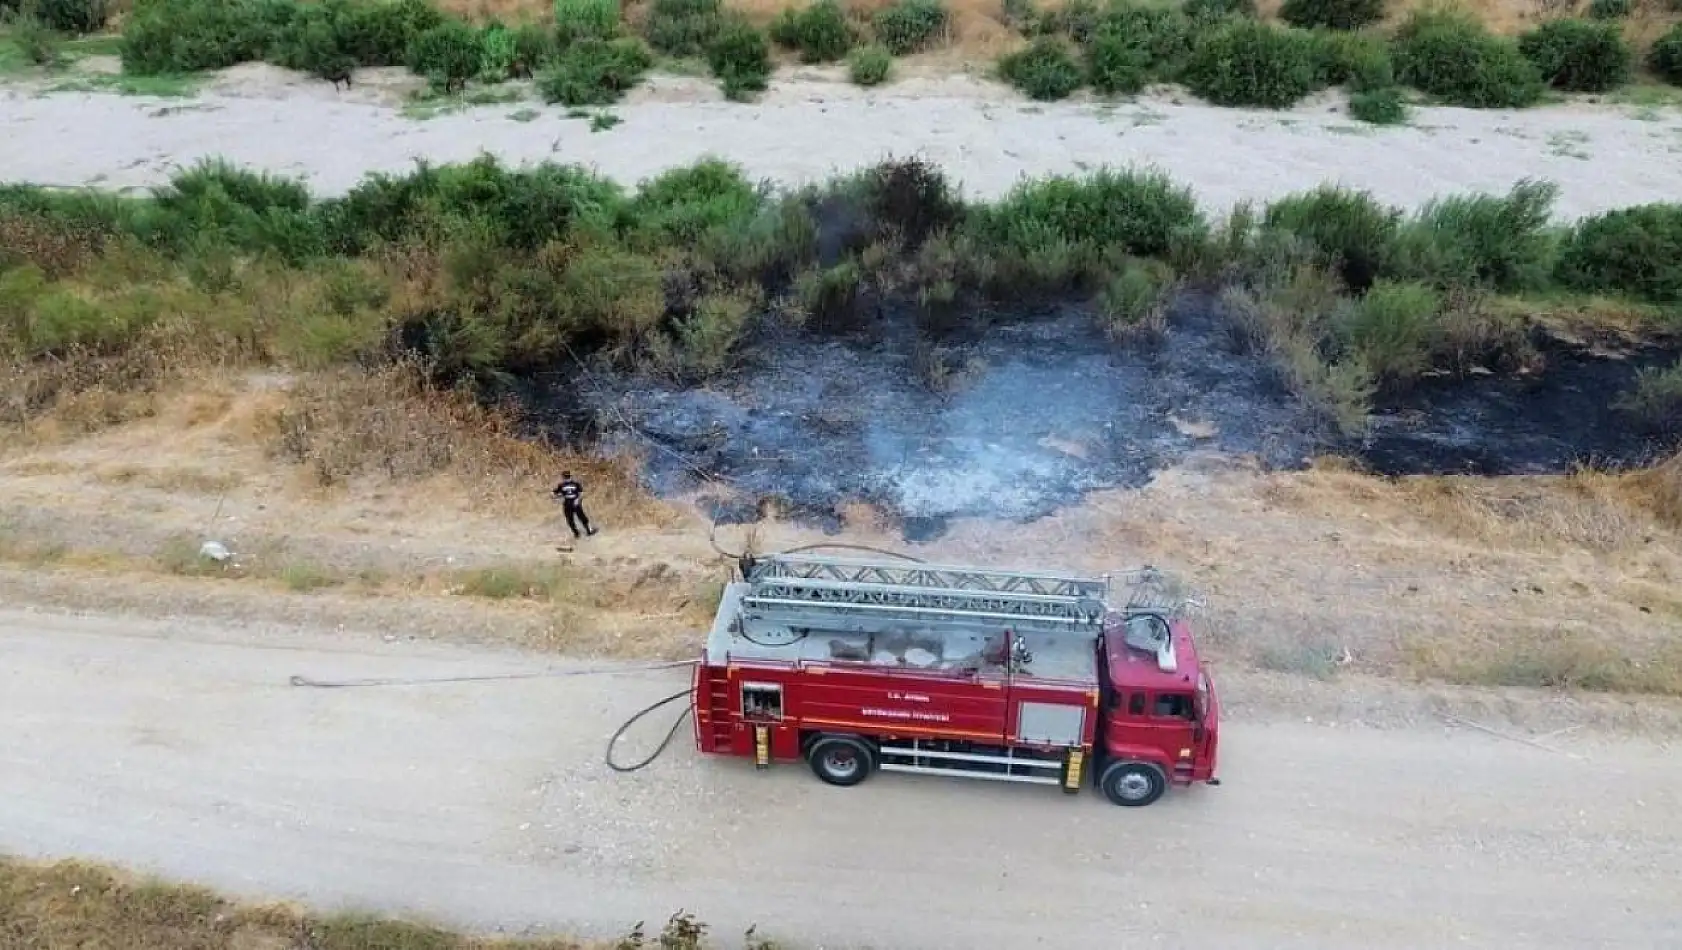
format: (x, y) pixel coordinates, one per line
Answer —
(1160, 720)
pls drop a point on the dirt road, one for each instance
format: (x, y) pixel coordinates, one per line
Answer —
(182, 749)
(983, 135)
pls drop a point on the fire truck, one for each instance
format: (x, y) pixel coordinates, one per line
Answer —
(860, 666)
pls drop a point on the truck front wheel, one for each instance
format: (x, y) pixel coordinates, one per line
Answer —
(841, 760)
(1133, 784)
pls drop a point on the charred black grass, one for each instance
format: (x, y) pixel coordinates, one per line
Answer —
(486, 275)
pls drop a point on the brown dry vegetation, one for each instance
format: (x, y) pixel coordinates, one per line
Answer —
(1561, 582)
(77, 904)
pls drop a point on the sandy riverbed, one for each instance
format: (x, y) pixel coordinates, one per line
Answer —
(807, 127)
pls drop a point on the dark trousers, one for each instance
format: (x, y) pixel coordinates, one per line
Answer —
(576, 516)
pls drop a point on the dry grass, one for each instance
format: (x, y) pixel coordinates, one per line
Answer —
(348, 425)
(1569, 582)
(77, 904)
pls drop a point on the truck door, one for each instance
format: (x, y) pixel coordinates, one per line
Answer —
(1159, 724)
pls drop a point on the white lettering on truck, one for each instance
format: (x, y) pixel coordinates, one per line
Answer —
(906, 714)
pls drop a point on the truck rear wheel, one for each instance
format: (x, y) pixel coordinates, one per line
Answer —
(1133, 784)
(841, 760)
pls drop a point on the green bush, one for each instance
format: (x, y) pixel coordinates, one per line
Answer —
(586, 20)
(1208, 11)
(1354, 234)
(1378, 106)
(314, 46)
(35, 41)
(682, 27)
(1665, 56)
(594, 72)
(1499, 242)
(163, 37)
(1116, 62)
(820, 32)
(1635, 251)
(1332, 14)
(870, 65)
(380, 33)
(1165, 33)
(1452, 57)
(1360, 61)
(740, 57)
(1391, 328)
(1611, 9)
(909, 26)
(449, 54)
(1134, 303)
(71, 17)
(1248, 63)
(1045, 70)
(1578, 55)
(1141, 212)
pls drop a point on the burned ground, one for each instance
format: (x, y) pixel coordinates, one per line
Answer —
(1028, 414)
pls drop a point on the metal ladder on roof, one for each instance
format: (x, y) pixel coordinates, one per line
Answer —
(787, 585)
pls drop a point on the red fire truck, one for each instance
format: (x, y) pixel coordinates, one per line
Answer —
(859, 666)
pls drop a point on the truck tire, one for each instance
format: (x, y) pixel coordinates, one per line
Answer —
(1133, 784)
(841, 760)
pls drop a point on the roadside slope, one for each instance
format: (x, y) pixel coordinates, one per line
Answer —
(182, 749)
(806, 129)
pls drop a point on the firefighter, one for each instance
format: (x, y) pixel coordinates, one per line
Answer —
(571, 495)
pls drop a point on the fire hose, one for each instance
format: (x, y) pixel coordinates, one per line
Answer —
(658, 750)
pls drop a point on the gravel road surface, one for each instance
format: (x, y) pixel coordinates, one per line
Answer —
(182, 749)
(982, 135)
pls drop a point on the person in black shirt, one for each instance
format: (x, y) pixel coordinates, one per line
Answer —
(571, 495)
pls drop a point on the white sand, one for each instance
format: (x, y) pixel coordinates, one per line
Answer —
(807, 127)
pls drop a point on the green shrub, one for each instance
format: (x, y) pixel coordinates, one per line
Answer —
(380, 33)
(1140, 212)
(37, 42)
(1045, 70)
(162, 37)
(1452, 57)
(1500, 242)
(1165, 33)
(820, 32)
(1116, 62)
(682, 27)
(70, 17)
(315, 47)
(534, 47)
(1332, 14)
(1247, 63)
(449, 54)
(740, 57)
(1655, 400)
(870, 65)
(1353, 233)
(1635, 251)
(1665, 56)
(586, 20)
(1391, 330)
(1208, 11)
(1360, 61)
(1134, 304)
(1378, 106)
(1611, 9)
(594, 72)
(909, 26)
(1578, 55)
